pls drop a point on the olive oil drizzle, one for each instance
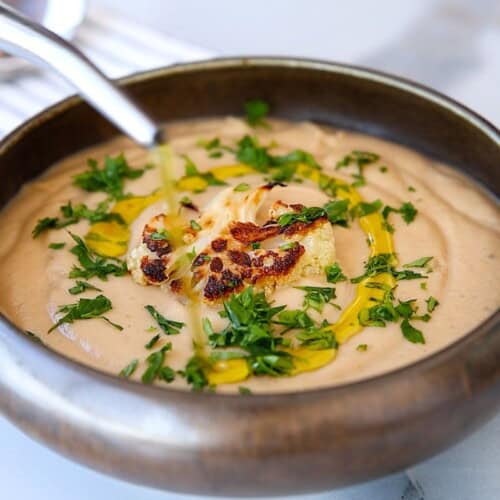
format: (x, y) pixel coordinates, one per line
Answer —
(162, 157)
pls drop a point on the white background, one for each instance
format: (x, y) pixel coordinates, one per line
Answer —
(453, 46)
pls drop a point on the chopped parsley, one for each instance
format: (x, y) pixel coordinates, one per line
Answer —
(365, 208)
(282, 168)
(74, 214)
(194, 225)
(245, 391)
(411, 333)
(93, 264)
(334, 274)
(432, 303)
(152, 342)
(407, 211)
(155, 364)
(316, 297)
(335, 211)
(256, 111)
(194, 373)
(57, 246)
(191, 170)
(422, 262)
(81, 286)
(110, 178)
(168, 326)
(360, 159)
(242, 187)
(129, 369)
(85, 309)
(384, 263)
(317, 338)
(362, 347)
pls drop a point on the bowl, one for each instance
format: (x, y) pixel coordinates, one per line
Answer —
(263, 444)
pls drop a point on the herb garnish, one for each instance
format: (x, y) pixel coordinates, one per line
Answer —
(316, 296)
(85, 309)
(152, 341)
(335, 211)
(256, 111)
(242, 187)
(94, 264)
(245, 391)
(155, 365)
(422, 262)
(110, 178)
(191, 170)
(361, 159)
(432, 303)
(362, 347)
(81, 286)
(194, 373)
(168, 326)
(384, 263)
(365, 208)
(57, 246)
(74, 214)
(317, 338)
(411, 333)
(407, 210)
(129, 369)
(334, 273)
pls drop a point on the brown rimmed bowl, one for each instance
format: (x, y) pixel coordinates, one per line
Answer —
(268, 444)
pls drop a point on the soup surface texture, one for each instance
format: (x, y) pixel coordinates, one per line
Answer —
(378, 255)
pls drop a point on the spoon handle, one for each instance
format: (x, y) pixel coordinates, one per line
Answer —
(29, 40)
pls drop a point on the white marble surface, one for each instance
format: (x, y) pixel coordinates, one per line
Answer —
(453, 46)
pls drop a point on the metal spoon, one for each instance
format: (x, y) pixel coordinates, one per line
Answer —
(29, 40)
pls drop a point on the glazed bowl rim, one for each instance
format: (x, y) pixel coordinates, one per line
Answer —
(401, 84)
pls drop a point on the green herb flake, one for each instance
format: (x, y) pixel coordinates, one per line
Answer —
(363, 208)
(194, 373)
(362, 347)
(317, 339)
(85, 309)
(129, 369)
(256, 111)
(81, 286)
(94, 264)
(57, 246)
(411, 189)
(155, 362)
(168, 326)
(334, 273)
(110, 178)
(383, 169)
(152, 342)
(335, 211)
(432, 303)
(244, 391)
(411, 333)
(422, 262)
(242, 187)
(316, 297)
(194, 225)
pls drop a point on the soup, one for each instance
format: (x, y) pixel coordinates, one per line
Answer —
(317, 256)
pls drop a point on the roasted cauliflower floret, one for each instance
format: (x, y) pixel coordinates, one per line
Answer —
(233, 250)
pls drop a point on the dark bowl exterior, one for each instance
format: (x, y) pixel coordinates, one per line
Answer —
(269, 444)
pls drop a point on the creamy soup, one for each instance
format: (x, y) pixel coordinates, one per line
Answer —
(378, 255)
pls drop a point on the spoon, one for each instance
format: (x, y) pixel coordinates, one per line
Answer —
(29, 40)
